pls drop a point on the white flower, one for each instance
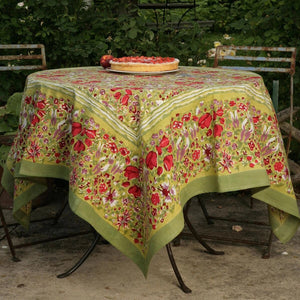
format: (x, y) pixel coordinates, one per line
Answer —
(216, 44)
(20, 4)
(211, 53)
(190, 60)
(201, 62)
(226, 36)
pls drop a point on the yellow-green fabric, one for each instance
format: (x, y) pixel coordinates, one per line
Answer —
(136, 148)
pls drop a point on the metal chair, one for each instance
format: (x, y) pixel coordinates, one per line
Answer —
(20, 57)
(263, 59)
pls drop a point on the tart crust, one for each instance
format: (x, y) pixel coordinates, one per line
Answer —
(144, 65)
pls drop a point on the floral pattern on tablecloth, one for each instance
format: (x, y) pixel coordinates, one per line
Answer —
(153, 137)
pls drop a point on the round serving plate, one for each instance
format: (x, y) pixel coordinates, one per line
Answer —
(142, 73)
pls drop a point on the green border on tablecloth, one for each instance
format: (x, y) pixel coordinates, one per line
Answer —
(257, 179)
(227, 183)
(38, 188)
(26, 168)
(287, 204)
(120, 242)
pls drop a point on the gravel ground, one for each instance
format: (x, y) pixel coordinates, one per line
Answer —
(107, 274)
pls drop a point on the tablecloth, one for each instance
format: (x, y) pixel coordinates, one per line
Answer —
(136, 148)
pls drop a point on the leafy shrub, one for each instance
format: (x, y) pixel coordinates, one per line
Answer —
(75, 34)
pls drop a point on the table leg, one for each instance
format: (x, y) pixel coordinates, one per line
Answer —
(195, 234)
(82, 259)
(176, 271)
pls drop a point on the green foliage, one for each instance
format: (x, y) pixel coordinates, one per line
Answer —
(75, 34)
(9, 114)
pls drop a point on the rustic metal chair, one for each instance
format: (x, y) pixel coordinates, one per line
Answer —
(20, 57)
(263, 59)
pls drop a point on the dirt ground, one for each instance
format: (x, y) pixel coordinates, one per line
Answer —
(240, 274)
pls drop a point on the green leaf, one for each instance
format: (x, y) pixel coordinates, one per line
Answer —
(132, 34)
(14, 104)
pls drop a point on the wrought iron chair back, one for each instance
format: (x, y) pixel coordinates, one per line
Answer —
(263, 59)
(19, 57)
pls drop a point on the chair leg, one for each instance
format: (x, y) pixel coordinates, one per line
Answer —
(10, 243)
(60, 211)
(176, 271)
(195, 234)
(203, 207)
(82, 259)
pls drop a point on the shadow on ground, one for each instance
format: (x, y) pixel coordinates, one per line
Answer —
(107, 274)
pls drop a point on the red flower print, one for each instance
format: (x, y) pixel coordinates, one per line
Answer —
(278, 166)
(41, 113)
(88, 142)
(164, 142)
(34, 151)
(158, 149)
(242, 106)
(113, 147)
(170, 149)
(131, 172)
(168, 162)
(124, 151)
(231, 103)
(124, 100)
(122, 220)
(28, 100)
(205, 120)
(220, 112)
(251, 145)
(186, 117)
(41, 104)
(90, 133)
(126, 184)
(35, 120)
(155, 199)
(76, 128)
(177, 125)
(62, 144)
(196, 154)
(151, 160)
(135, 191)
(218, 130)
(255, 119)
(117, 95)
(159, 170)
(128, 92)
(209, 132)
(79, 146)
(102, 188)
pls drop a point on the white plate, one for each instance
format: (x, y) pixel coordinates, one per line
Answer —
(141, 73)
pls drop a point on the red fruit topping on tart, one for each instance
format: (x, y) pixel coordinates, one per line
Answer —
(144, 59)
